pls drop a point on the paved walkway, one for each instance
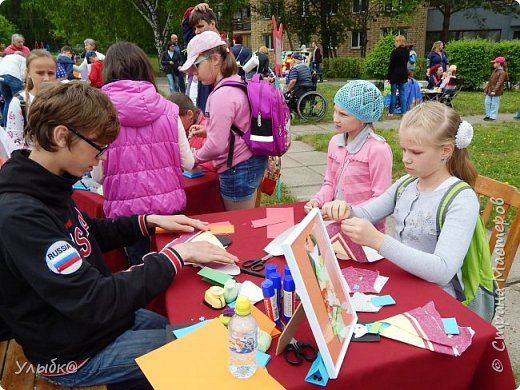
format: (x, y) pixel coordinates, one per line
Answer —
(303, 169)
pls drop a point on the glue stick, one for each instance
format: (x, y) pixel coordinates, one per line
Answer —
(276, 278)
(271, 308)
(269, 269)
(289, 299)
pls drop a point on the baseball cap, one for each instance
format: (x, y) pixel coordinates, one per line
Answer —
(500, 60)
(199, 44)
(298, 56)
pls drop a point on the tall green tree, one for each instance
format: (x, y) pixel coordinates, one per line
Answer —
(448, 7)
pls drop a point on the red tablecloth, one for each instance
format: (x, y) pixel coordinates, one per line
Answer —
(387, 364)
(202, 193)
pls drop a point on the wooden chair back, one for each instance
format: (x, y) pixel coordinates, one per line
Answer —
(503, 202)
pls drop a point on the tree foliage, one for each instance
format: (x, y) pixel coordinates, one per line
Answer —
(376, 63)
(6, 29)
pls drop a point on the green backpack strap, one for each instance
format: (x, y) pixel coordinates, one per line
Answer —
(401, 187)
(476, 270)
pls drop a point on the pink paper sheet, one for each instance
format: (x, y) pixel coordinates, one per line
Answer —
(286, 215)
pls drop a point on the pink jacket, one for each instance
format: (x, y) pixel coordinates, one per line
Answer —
(225, 106)
(364, 168)
(143, 164)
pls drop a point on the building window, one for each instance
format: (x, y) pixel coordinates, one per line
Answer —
(268, 41)
(357, 39)
(359, 6)
(270, 8)
(395, 31)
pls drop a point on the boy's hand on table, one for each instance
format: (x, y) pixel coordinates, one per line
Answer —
(177, 223)
(202, 252)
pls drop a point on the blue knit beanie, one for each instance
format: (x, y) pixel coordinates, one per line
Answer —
(360, 99)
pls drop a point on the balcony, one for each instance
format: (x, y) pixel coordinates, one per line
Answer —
(243, 24)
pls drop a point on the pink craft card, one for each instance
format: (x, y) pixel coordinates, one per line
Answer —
(284, 214)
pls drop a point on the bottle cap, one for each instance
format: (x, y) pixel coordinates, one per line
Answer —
(288, 283)
(269, 268)
(276, 278)
(286, 270)
(242, 306)
(267, 288)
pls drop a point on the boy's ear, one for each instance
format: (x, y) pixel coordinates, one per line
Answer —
(60, 135)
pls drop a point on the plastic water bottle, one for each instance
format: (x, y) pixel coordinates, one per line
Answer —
(242, 340)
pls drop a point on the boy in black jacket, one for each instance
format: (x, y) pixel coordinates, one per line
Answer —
(78, 323)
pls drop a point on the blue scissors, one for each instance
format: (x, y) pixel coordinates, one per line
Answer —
(256, 264)
(297, 351)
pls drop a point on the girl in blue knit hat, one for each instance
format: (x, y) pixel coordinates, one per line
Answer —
(359, 163)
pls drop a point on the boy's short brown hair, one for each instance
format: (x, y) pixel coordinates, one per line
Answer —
(75, 104)
(208, 16)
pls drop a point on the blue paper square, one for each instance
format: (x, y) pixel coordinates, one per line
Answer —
(262, 358)
(450, 325)
(383, 300)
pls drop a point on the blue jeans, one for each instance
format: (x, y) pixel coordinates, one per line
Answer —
(9, 87)
(116, 362)
(316, 68)
(402, 97)
(240, 182)
(491, 103)
(172, 82)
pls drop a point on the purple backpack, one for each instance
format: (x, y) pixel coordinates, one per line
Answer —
(269, 133)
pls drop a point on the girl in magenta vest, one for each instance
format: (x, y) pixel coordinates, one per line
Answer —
(143, 167)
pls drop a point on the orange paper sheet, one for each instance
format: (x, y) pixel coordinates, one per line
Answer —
(264, 322)
(221, 228)
(179, 364)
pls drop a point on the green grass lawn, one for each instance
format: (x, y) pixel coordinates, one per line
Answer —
(466, 102)
(495, 150)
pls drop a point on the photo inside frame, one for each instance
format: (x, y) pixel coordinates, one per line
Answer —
(322, 288)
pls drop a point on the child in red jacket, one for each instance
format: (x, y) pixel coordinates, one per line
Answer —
(96, 69)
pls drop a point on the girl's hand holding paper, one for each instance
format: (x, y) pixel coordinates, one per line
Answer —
(362, 232)
(336, 210)
(202, 252)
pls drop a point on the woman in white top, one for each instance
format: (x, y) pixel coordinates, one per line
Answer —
(41, 68)
(84, 67)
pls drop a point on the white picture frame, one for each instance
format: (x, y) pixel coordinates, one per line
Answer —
(323, 291)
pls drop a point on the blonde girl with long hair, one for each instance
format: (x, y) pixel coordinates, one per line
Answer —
(41, 68)
(434, 143)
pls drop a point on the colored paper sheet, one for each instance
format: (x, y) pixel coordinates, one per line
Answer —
(383, 300)
(216, 278)
(450, 325)
(286, 214)
(187, 330)
(262, 358)
(221, 228)
(257, 223)
(172, 365)
(263, 321)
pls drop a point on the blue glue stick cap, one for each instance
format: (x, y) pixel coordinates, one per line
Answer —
(267, 288)
(276, 278)
(288, 283)
(286, 270)
(269, 268)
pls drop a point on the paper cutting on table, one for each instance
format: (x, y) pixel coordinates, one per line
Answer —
(364, 280)
(423, 328)
(286, 214)
(343, 246)
(450, 326)
(257, 223)
(221, 227)
(383, 300)
(171, 366)
(363, 303)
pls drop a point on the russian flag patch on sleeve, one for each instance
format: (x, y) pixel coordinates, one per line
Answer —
(63, 258)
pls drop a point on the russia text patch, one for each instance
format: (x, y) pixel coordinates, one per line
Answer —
(63, 258)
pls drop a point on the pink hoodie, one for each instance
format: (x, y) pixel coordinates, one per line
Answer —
(225, 106)
(364, 167)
